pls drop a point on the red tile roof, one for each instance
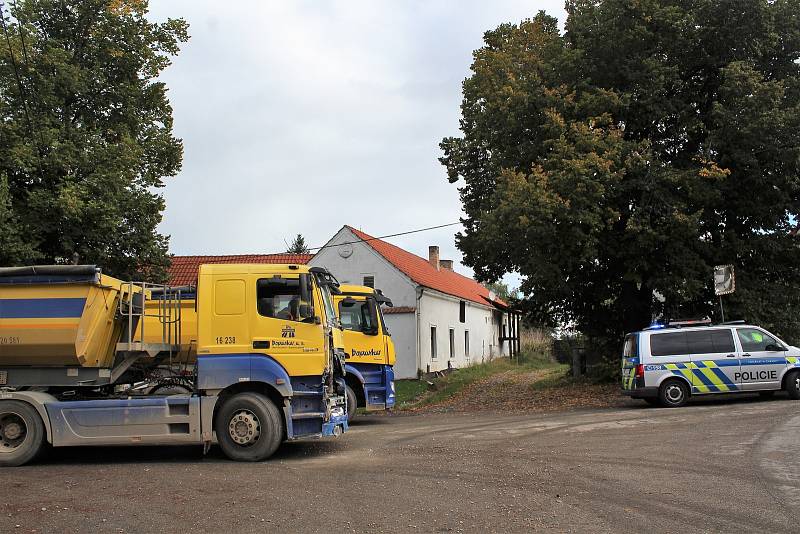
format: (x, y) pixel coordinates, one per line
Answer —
(422, 272)
(184, 268)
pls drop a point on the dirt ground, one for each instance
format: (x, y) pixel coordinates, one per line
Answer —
(515, 392)
(716, 465)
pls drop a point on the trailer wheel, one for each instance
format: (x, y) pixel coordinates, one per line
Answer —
(22, 433)
(352, 403)
(248, 427)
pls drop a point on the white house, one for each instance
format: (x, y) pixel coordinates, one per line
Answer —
(440, 318)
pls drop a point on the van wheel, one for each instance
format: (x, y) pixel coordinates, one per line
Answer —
(22, 433)
(248, 427)
(352, 403)
(673, 394)
(793, 385)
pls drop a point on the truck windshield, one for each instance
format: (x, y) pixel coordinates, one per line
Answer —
(356, 317)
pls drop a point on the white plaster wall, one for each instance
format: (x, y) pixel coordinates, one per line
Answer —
(442, 311)
(365, 261)
(402, 327)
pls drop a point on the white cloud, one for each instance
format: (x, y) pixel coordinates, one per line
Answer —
(302, 116)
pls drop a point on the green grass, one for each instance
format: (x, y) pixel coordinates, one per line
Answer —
(407, 391)
(415, 393)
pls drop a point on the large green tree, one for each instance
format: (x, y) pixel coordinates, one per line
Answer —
(614, 164)
(85, 134)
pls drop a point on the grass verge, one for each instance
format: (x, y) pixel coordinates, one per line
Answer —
(411, 394)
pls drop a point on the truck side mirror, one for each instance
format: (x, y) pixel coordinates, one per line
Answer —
(306, 296)
(372, 311)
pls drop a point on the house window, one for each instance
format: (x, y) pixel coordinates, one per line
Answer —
(452, 343)
(466, 343)
(462, 312)
(433, 342)
(369, 281)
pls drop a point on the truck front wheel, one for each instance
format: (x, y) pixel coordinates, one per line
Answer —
(352, 403)
(248, 427)
(22, 433)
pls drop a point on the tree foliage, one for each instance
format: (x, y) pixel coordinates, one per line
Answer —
(86, 134)
(298, 246)
(614, 164)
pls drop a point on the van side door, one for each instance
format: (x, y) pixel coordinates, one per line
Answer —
(668, 355)
(715, 361)
(761, 360)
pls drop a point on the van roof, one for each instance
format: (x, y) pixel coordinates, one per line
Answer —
(692, 328)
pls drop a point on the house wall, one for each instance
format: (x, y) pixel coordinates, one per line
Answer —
(403, 328)
(442, 311)
(433, 308)
(364, 261)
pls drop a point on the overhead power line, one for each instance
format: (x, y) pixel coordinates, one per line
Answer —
(385, 236)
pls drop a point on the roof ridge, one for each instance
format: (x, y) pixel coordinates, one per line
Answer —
(421, 272)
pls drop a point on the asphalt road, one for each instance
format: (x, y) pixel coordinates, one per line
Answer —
(712, 466)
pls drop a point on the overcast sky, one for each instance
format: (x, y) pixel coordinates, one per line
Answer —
(301, 116)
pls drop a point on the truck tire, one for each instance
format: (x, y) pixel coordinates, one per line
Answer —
(793, 385)
(673, 393)
(352, 403)
(22, 433)
(249, 427)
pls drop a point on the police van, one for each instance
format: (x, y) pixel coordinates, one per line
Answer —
(667, 364)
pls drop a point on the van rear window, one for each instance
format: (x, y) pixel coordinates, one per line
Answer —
(672, 344)
(629, 349)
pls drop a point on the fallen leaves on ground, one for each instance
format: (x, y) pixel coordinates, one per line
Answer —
(532, 391)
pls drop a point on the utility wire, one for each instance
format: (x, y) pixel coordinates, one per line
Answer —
(16, 68)
(384, 236)
(41, 143)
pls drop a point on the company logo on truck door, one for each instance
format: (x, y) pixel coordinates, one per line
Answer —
(287, 331)
(370, 352)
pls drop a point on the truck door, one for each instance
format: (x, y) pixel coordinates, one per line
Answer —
(763, 359)
(715, 361)
(287, 326)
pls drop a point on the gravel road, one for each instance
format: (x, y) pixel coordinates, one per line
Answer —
(715, 465)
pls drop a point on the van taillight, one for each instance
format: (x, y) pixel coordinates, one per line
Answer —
(640, 371)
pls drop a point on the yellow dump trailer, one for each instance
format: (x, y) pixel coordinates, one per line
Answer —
(66, 319)
(159, 316)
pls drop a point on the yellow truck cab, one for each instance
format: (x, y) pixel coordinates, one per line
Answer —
(369, 350)
(253, 352)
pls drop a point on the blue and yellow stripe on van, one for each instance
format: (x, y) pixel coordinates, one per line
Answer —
(705, 375)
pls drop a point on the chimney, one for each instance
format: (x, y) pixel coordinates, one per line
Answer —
(433, 256)
(447, 265)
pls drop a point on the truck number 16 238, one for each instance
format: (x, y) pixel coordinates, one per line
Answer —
(226, 340)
